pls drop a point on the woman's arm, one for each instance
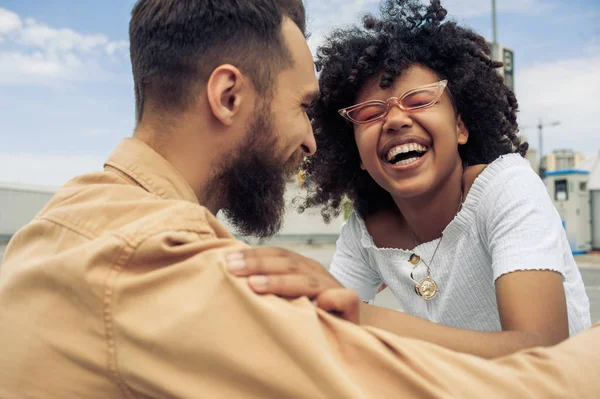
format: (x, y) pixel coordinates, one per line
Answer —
(526, 321)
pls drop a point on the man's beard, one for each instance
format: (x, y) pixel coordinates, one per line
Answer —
(251, 184)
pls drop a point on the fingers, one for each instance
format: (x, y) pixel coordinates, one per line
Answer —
(275, 252)
(281, 272)
(341, 301)
(287, 274)
(249, 263)
(289, 286)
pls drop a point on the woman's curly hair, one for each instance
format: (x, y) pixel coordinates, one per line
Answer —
(407, 33)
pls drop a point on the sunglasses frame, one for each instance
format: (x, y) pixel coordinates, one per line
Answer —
(441, 86)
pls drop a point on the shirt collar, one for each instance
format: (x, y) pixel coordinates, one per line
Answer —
(146, 168)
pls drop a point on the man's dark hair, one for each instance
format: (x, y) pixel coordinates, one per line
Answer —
(176, 44)
(407, 33)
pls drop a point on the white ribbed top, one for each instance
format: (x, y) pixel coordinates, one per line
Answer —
(507, 223)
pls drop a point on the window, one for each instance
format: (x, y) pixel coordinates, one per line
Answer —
(560, 190)
(582, 186)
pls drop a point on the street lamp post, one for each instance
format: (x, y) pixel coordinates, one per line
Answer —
(540, 127)
(494, 33)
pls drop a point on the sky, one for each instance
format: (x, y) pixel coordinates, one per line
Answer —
(66, 91)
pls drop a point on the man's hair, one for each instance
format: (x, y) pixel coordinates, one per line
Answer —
(407, 33)
(176, 44)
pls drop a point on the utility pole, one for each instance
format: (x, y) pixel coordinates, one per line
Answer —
(494, 33)
(540, 126)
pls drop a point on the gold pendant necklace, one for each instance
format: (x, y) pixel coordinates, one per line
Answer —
(427, 288)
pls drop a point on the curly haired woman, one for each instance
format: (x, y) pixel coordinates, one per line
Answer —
(417, 129)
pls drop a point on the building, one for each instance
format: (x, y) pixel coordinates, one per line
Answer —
(568, 189)
(532, 157)
(18, 205)
(592, 165)
(575, 191)
(562, 159)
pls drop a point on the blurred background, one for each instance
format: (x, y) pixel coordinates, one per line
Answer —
(66, 100)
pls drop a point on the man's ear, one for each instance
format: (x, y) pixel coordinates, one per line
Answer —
(462, 131)
(224, 90)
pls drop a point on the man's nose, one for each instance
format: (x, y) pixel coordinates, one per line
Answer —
(309, 145)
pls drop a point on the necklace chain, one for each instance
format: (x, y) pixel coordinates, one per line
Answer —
(460, 202)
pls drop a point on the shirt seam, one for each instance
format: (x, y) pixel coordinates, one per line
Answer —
(536, 269)
(72, 224)
(108, 311)
(123, 260)
(364, 234)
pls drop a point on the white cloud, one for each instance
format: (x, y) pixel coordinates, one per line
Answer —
(38, 35)
(9, 21)
(34, 64)
(39, 52)
(566, 91)
(39, 68)
(46, 170)
(114, 48)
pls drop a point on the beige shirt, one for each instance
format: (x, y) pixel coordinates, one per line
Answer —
(117, 289)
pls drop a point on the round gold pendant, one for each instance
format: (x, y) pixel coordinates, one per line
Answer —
(427, 288)
(414, 259)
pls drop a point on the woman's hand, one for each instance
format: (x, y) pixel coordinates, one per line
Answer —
(290, 275)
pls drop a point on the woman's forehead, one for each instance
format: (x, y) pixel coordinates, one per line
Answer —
(414, 76)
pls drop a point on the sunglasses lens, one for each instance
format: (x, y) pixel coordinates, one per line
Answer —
(367, 112)
(420, 98)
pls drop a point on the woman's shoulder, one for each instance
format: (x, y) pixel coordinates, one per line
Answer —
(354, 224)
(502, 170)
(353, 230)
(505, 174)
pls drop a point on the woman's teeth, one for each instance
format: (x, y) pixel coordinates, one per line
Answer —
(407, 161)
(405, 148)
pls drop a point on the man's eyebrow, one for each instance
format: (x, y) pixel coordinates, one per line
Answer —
(311, 96)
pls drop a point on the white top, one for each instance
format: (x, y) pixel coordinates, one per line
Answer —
(507, 223)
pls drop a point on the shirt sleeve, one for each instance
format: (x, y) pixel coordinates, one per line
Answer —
(180, 326)
(519, 223)
(350, 264)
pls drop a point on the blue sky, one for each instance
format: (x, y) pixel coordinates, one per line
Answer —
(66, 96)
